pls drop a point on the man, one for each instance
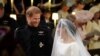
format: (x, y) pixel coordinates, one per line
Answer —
(47, 21)
(34, 40)
(7, 27)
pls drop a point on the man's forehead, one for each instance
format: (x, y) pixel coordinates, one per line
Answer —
(32, 14)
(33, 10)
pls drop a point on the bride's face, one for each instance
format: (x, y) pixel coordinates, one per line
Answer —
(65, 36)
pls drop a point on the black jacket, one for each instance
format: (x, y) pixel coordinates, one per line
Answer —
(34, 41)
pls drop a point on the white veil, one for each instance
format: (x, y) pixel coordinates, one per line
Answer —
(67, 33)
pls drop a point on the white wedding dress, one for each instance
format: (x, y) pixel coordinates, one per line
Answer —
(67, 41)
(69, 49)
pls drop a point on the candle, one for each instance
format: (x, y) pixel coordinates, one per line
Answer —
(73, 13)
(49, 4)
(13, 16)
(55, 18)
(49, 1)
(12, 4)
(31, 2)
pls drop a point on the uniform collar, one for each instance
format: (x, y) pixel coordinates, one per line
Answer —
(32, 28)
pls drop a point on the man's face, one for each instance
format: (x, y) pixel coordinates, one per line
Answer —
(97, 15)
(33, 20)
(1, 12)
(47, 15)
(81, 6)
(65, 8)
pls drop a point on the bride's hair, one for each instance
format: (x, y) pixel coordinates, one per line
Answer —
(72, 28)
(70, 25)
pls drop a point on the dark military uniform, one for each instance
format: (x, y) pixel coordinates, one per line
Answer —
(35, 41)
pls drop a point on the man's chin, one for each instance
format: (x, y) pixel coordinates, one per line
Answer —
(34, 25)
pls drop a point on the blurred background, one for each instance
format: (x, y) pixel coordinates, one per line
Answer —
(57, 9)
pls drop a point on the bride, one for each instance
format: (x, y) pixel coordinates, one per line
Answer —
(67, 41)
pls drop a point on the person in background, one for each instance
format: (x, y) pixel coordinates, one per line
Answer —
(94, 26)
(63, 12)
(33, 38)
(7, 27)
(80, 19)
(96, 7)
(47, 20)
(79, 6)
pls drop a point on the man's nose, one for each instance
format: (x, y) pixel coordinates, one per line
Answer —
(34, 20)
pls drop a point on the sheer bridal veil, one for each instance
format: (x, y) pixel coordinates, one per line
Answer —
(66, 33)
